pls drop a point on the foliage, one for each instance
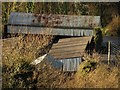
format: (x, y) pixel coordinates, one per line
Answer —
(18, 74)
(17, 71)
(30, 7)
(113, 28)
(100, 75)
(87, 66)
(8, 7)
(18, 53)
(98, 38)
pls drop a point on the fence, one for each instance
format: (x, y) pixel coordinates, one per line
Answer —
(111, 53)
(115, 52)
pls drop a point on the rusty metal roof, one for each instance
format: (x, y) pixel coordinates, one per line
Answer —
(49, 31)
(52, 24)
(53, 20)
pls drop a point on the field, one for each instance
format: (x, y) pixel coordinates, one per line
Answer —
(19, 52)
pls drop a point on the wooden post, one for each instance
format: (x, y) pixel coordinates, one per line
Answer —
(109, 52)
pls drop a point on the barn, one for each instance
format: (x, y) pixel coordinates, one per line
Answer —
(67, 50)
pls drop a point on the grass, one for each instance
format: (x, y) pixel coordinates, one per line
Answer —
(103, 76)
(18, 53)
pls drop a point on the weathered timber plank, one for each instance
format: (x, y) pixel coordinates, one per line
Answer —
(75, 39)
(71, 49)
(66, 53)
(69, 55)
(71, 41)
(68, 45)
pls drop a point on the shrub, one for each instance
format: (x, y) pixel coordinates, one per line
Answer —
(87, 66)
(98, 38)
(20, 75)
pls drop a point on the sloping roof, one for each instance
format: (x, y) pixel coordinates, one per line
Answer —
(67, 25)
(69, 47)
(69, 51)
(19, 18)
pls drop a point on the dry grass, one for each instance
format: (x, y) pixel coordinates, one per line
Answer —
(18, 73)
(17, 53)
(102, 76)
(27, 47)
(113, 28)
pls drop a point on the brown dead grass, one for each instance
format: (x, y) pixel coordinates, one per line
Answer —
(23, 47)
(113, 28)
(21, 51)
(17, 54)
(103, 76)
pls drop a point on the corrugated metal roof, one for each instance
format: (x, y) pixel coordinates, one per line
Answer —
(71, 64)
(68, 64)
(68, 25)
(49, 31)
(19, 18)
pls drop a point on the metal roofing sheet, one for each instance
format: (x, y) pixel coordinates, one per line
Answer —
(71, 64)
(20, 18)
(49, 31)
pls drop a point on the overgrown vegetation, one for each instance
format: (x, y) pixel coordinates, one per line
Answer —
(113, 28)
(98, 38)
(94, 73)
(18, 53)
(19, 73)
(87, 66)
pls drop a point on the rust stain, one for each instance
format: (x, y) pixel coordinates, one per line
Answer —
(48, 19)
(38, 17)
